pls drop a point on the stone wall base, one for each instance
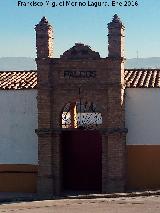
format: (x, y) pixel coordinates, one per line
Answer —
(45, 186)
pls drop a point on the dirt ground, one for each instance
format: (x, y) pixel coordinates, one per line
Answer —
(149, 204)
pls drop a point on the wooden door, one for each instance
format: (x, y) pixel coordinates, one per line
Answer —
(82, 160)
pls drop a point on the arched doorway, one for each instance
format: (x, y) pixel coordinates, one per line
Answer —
(81, 147)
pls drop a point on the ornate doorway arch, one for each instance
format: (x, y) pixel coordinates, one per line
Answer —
(81, 115)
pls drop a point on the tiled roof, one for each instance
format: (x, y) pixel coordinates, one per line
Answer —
(18, 80)
(134, 78)
(142, 78)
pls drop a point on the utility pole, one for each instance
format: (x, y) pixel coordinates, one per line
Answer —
(137, 54)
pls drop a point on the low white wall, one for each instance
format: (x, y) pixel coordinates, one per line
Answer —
(142, 116)
(18, 121)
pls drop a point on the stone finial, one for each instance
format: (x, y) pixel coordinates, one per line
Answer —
(116, 21)
(43, 23)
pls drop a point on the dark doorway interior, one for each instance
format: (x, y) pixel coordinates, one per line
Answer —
(82, 160)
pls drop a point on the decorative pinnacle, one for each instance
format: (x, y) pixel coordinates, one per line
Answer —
(43, 21)
(116, 19)
(116, 22)
(43, 24)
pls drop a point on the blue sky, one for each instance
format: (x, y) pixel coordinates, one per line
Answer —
(80, 24)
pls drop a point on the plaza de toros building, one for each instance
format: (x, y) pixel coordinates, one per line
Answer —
(80, 122)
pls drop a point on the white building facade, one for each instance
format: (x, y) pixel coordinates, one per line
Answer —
(19, 119)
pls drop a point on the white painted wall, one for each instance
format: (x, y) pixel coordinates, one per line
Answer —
(142, 116)
(18, 121)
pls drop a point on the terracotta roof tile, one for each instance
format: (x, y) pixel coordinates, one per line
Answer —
(142, 78)
(158, 79)
(134, 78)
(18, 80)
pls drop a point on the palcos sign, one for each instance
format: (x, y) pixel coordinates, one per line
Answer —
(79, 74)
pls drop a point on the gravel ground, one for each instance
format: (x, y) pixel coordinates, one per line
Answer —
(147, 204)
